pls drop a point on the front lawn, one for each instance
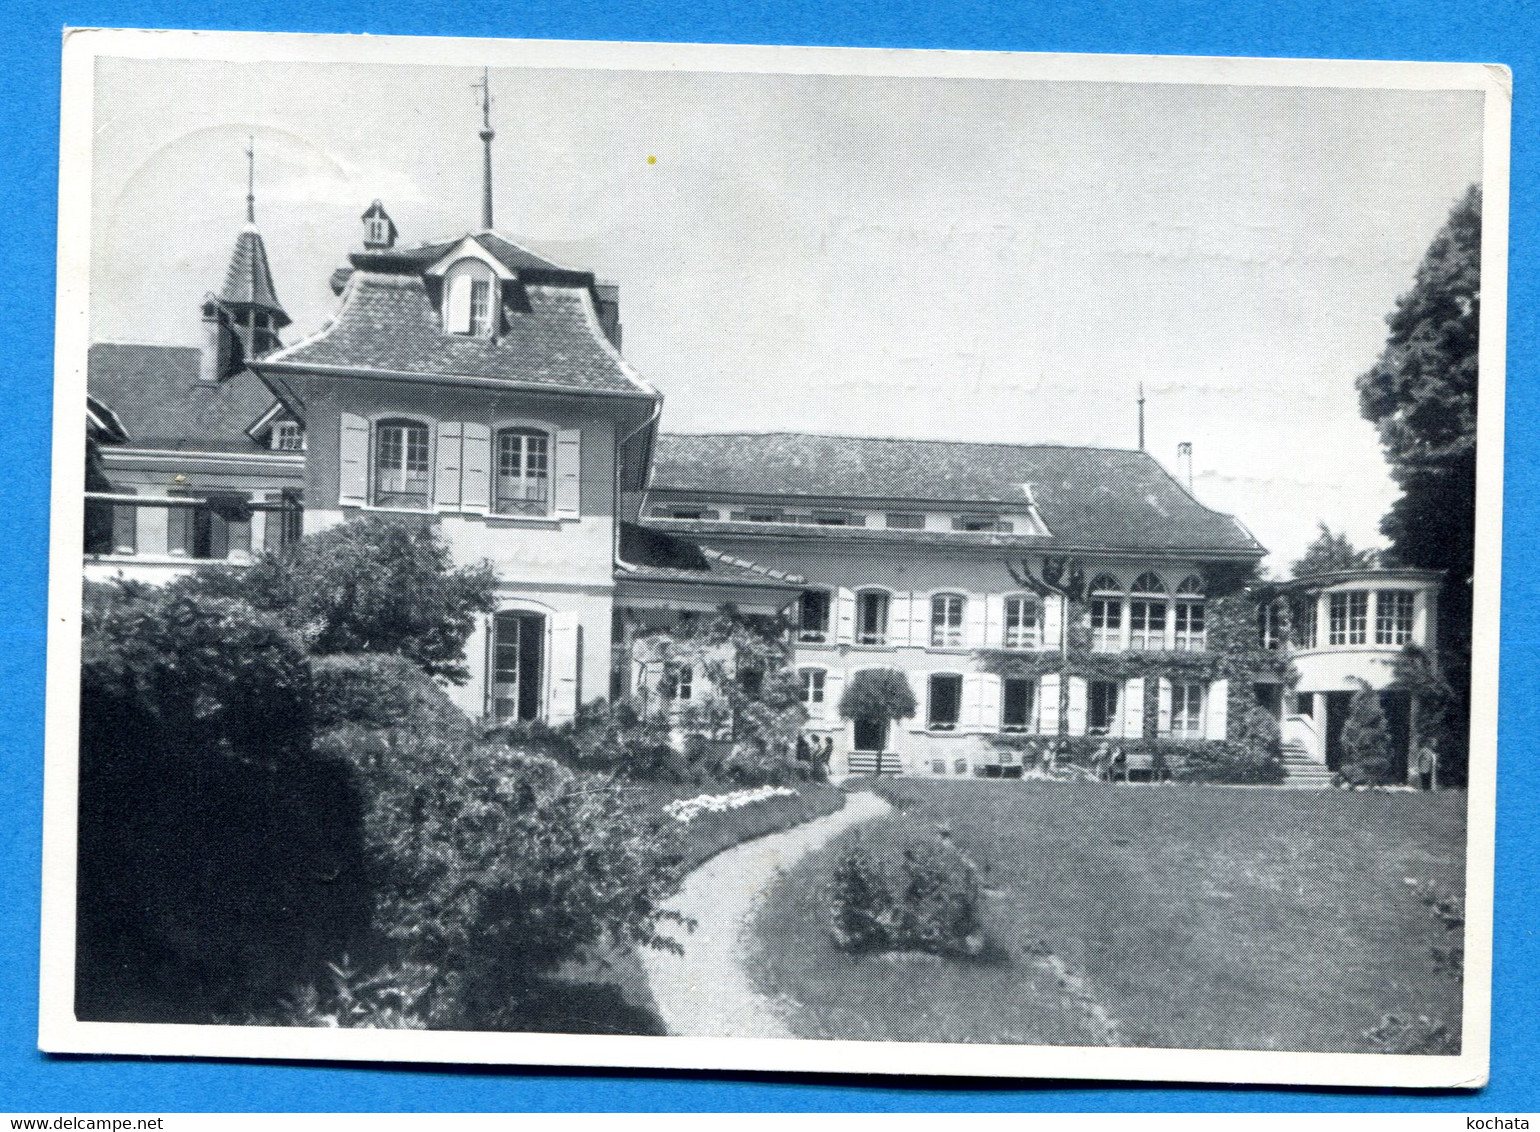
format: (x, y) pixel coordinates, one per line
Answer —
(1196, 917)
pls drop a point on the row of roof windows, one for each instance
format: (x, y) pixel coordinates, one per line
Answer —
(891, 520)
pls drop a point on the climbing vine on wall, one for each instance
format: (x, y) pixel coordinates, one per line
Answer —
(1233, 652)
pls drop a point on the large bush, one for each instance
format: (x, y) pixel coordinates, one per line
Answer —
(495, 868)
(372, 585)
(379, 690)
(218, 857)
(928, 899)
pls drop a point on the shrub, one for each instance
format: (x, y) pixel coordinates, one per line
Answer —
(218, 856)
(620, 739)
(496, 868)
(370, 585)
(1366, 756)
(928, 899)
(379, 690)
(1252, 755)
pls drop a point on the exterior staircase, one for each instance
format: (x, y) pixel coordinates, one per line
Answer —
(1301, 770)
(865, 762)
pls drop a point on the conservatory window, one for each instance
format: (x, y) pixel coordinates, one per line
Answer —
(1349, 623)
(1393, 617)
(1147, 614)
(1106, 614)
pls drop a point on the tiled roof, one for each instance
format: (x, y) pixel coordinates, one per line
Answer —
(419, 257)
(154, 391)
(250, 279)
(1107, 498)
(387, 322)
(656, 556)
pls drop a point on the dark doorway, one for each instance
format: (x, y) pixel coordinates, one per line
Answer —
(871, 734)
(1270, 697)
(1338, 705)
(518, 656)
(1398, 714)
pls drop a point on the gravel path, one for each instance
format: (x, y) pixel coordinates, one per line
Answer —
(706, 992)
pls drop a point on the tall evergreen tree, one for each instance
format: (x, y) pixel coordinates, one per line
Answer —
(1421, 395)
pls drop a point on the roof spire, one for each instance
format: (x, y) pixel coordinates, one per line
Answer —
(1141, 416)
(251, 178)
(487, 134)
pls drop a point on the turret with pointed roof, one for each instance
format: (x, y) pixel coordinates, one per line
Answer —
(248, 296)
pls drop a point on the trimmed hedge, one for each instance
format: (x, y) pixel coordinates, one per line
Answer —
(927, 899)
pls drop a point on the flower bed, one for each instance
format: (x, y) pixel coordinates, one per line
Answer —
(685, 809)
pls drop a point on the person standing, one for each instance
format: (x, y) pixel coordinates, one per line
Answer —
(1427, 764)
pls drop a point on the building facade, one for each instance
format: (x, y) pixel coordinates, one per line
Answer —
(1027, 593)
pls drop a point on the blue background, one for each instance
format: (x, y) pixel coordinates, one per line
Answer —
(29, 79)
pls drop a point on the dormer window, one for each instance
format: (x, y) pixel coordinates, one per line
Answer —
(287, 437)
(470, 299)
(376, 230)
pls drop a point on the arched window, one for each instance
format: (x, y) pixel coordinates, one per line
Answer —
(1147, 613)
(946, 621)
(523, 471)
(1106, 614)
(402, 470)
(1023, 622)
(872, 617)
(1190, 616)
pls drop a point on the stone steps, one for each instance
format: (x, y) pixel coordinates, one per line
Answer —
(1301, 770)
(865, 762)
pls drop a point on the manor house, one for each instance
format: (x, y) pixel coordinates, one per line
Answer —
(474, 385)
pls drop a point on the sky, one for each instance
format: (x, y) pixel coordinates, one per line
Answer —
(968, 259)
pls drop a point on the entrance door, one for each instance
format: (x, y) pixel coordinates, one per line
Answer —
(871, 734)
(1338, 705)
(518, 665)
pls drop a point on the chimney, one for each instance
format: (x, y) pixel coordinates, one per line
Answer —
(211, 362)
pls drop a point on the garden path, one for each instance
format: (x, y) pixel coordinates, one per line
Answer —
(706, 992)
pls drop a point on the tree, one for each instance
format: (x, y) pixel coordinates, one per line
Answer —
(1331, 551)
(1366, 757)
(881, 695)
(1421, 395)
(373, 585)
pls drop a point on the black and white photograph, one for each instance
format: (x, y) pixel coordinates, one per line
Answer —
(775, 558)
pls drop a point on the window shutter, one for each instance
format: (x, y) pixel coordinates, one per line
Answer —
(900, 613)
(972, 702)
(125, 525)
(1163, 708)
(1218, 705)
(446, 473)
(564, 667)
(974, 621)
(917, 632)
(921, 718)
(845, 621)
(1133, 708)
(833, 688)
(457, 304)
(1076, 705)
(989, 702)
(569, 467)
(475, 466)
(994, 620)
(1053, 620)
(1048, 705)
(353, 461)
